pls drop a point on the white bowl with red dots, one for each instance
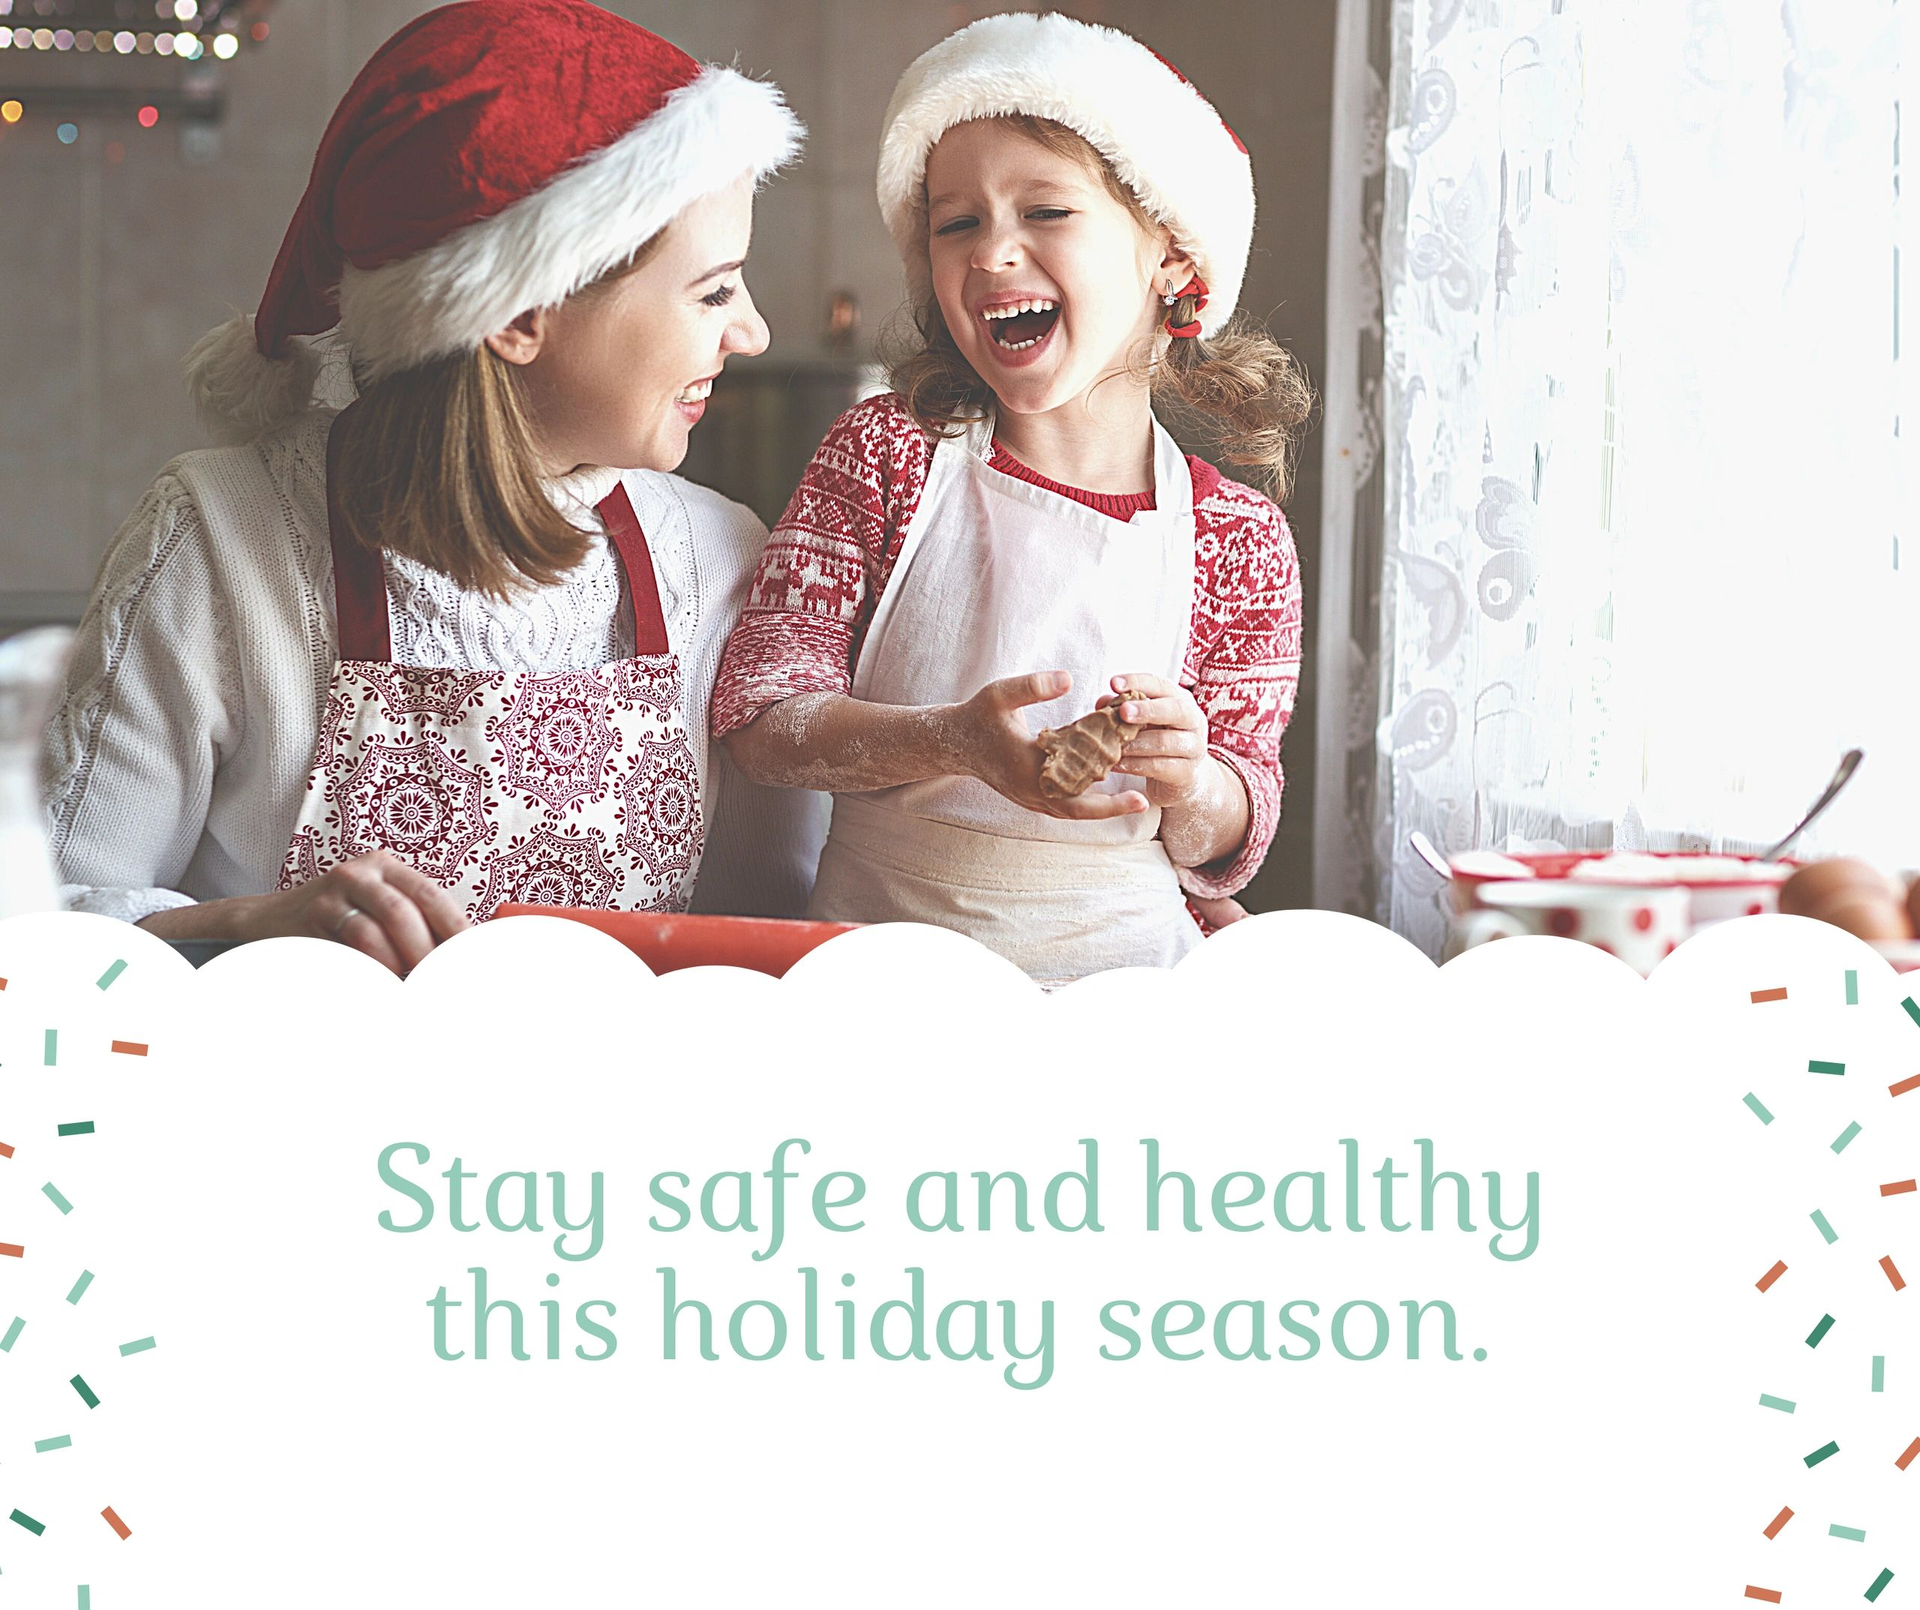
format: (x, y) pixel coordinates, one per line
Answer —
(1642, 925)
(1719, 887)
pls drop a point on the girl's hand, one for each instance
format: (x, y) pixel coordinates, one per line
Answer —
(999, 750)
(1170, 753)
(375, 903)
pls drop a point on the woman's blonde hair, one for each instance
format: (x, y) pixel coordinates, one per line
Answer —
(1241, 389)
(441, 463)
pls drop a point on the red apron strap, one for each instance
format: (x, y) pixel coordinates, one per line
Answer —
(359, 577)
(643, 587)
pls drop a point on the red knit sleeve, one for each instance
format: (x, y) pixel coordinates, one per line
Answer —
(825, 564)
(1243, 660)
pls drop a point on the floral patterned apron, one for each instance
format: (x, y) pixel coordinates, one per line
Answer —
(575, 789)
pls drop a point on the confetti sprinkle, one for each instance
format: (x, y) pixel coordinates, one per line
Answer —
(1893, 1274)
(86, 1597)
(1784, 1405)
(130, 1048)
(1761, 996)
(1835, 1068)
(1907, 1458)
(1758, 1108)
(106, 979)
(1844, 1139)
(77, 1129)
(1778, 1521)
(86, 1392)
(1904, 1086)
(1819, 1454)
(1879, 1372)
(21, 1518)
(1852, 1534)
(1879, 1585)
(53, 1047)
(1899, 1187)
(1826, 1230)
(116, 1523)
(51, 1443)
(127, 1349)
(1766, 1595)
(80, 1286)
(13, 1334)
(1912, 1011)
(52, 1194)
(1770, 1277)
(1853, 987)
(12, 1249)
(1819, 1331)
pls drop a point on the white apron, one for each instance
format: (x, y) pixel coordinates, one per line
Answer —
(997, 577)
(577, 789)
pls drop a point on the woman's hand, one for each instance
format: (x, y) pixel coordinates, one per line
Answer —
(375, 903)
(1004, 755)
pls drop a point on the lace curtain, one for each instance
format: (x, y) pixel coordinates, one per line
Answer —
(1636, 509)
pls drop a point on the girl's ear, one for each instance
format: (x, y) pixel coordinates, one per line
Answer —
(520, 342)
(1176, 268)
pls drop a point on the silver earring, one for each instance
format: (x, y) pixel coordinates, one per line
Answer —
(1167, 295)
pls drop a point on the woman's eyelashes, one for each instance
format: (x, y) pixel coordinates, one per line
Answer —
(721, 297)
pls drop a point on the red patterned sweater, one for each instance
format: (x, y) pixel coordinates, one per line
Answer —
(830, 557)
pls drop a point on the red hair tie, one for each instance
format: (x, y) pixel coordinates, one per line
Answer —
(1197, 289)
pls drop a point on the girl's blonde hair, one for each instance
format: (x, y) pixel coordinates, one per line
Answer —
(1244, 391)
(441, 463)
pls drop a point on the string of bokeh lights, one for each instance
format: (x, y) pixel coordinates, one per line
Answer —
(186, 44)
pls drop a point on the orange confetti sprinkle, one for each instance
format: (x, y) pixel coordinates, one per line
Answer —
(1899, 1187)
(1904, 1086)
(5, 1149)
(116, 1523)
(130, 1048)
(1907, 1458)
(1760, 997)
(1780, 1520)
(1770, 1277)
(9, 1250)
(1765, 1595)
(1893, 1274)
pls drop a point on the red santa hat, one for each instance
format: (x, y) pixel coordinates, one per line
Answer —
(493, 156)
(1164, 139)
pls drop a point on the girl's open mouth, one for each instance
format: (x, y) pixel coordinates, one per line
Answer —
(1021, 326)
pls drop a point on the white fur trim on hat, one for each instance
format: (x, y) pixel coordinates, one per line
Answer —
(539, 251)
(1165, 141)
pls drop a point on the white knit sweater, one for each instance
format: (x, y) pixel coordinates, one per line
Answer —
(178, 757)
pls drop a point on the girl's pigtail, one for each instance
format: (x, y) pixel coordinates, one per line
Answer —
(1242, 389)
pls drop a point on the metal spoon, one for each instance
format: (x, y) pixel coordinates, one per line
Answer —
(1842, 774)
(1422, 846)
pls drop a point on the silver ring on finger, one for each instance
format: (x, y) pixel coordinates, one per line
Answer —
(345, 917)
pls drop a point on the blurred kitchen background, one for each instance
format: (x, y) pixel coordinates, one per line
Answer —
(152, 151)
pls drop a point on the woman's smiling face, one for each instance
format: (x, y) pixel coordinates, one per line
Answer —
(1046, 281)
(618, 374)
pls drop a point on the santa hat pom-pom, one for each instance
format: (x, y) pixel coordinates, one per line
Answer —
(239, 391)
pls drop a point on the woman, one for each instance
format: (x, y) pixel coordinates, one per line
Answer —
(370, 675)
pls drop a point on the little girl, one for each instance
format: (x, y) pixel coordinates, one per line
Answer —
(1010, 537)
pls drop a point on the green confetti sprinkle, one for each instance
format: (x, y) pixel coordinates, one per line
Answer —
(1912, 1010)
(127, 1349)
(1758, 1108)
(77, 1129)
(21, 1518)
(1782, 1404)
(1835, 1068)
(13, 1335)
(1820, 1330)
(1845, 1139)
(1879, 1585)
(1853, 987)
(1879, 1372)
(86, 1597)
(1825, 1229)
(52, 1193)
(86, 1392)
(80, 1286)
(1852, 1534)
(50, 1443)
(52, 1054)
(106, 979)
(1819, 1454)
